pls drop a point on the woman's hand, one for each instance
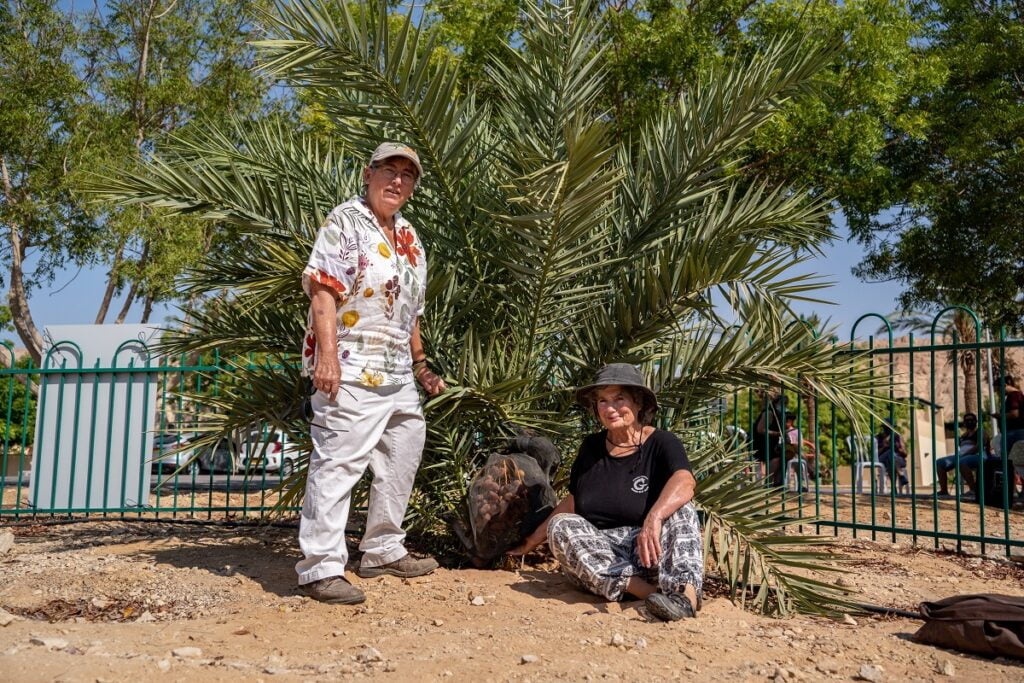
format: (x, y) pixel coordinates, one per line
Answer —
(648, 541)
(430, 382)
(526, 547)
(327, 374)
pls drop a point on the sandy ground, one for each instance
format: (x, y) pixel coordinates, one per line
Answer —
(143, 601)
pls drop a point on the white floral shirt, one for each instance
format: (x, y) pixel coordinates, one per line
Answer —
(380, 293)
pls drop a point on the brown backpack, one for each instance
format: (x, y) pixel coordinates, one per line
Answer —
(985, 624)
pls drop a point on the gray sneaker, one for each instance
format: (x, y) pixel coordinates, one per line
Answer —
(407, 567)
(334, 590)
(671, 607)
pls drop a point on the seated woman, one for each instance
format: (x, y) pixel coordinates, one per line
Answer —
(628, 525)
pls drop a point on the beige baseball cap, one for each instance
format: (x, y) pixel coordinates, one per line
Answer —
(386, 150)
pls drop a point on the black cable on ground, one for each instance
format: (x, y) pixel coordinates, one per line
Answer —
(889, 611)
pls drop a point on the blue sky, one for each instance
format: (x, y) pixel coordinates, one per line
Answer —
(74, 297)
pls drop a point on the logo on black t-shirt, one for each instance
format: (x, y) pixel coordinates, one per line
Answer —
(640, 484)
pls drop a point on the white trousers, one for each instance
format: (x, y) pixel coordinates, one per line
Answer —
(385, 431)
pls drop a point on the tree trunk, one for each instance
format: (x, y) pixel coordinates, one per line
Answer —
(967, 360)
(17, 299)
(138, 107)
(108, 293)
(147, 309)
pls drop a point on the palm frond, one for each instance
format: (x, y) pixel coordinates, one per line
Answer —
(553, 246)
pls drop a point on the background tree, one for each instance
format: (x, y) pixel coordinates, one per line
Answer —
(42, 137)
(102, 88)
(831, 139)
(155, 66)
(958, 190)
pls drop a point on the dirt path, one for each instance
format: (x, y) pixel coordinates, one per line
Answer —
(176, 602)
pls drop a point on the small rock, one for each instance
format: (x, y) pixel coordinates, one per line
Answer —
(848, 620)
(870, 672)
(241, 631)
(528, 659)
(774, 633)
(164, 665)
(6, 542)
(945, 667)
(49, 643)
(6, 618)
(145, 617)
(617, 640)
(370, 654)
(478, 601)
(389, 667)
(100, 603)
(446, 674)
(640, 643)
(828, 666)
(438, 622)
(187, 652)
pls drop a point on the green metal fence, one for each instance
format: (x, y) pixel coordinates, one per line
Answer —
(847, 477)
(113, 439)
(107, 440)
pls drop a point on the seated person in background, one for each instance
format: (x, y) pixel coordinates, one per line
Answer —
(890, 447)
(628, 524)
(1013, 408)
(970, 452)
(795, 447)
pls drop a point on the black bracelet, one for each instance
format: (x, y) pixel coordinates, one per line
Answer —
(421, 360)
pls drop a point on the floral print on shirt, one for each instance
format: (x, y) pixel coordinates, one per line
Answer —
(379, 291)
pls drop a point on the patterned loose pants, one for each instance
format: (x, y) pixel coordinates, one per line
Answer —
(602, 560)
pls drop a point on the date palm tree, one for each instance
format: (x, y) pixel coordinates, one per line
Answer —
(554, 247)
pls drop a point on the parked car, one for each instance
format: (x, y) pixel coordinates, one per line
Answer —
(223, 456)
(170, 452)
(279, 454)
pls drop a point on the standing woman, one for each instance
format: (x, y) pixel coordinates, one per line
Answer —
(628, 524)
(366, 280)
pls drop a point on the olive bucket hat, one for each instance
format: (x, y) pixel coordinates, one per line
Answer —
(617, 374)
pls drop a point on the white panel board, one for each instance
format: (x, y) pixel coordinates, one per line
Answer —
(94, 430)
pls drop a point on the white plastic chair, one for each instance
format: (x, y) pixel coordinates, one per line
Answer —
(863, 461)
(796, 470)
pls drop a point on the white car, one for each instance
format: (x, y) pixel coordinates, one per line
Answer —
(270, 451)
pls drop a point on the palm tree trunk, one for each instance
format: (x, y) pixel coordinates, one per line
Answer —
(967, 359)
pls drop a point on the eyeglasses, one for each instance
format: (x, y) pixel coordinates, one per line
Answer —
(408, 177)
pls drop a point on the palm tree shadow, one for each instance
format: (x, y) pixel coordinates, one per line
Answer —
(267, 556)
(547, 585)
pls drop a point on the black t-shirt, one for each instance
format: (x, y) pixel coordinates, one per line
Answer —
(612, 492)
